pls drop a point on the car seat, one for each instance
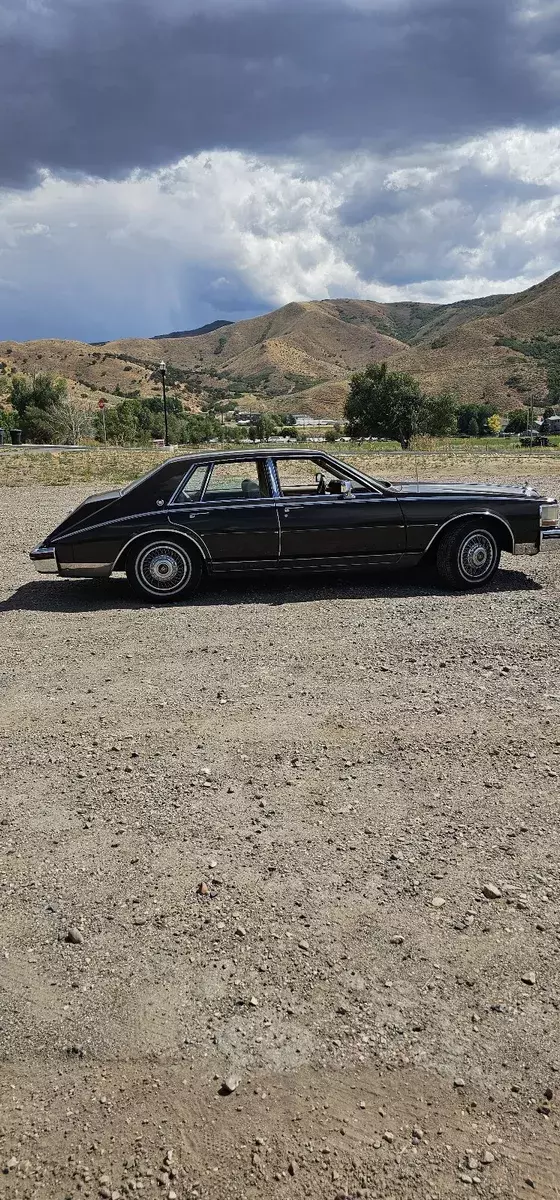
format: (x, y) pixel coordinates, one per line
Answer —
(250, 489)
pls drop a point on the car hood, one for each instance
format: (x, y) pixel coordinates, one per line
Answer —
(464, 489)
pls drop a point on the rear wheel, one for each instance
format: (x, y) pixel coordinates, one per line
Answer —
(162, 570)
(468, 556)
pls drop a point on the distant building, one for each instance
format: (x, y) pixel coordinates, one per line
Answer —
(552, 424)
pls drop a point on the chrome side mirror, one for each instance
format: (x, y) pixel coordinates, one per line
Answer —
(345, 487)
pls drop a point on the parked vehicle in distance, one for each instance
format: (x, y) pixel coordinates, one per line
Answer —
(533, 439)
(290, 510)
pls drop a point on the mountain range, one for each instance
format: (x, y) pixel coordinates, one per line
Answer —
(495, 349)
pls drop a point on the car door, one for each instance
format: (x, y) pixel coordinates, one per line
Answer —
(315, 524)
(228, 505)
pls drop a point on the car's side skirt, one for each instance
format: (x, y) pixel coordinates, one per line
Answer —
(381, 561)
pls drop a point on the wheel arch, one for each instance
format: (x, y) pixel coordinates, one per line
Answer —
(171, 535)
(500, 527)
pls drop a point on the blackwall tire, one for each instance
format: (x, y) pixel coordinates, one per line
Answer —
(163, 570)
(468, 556)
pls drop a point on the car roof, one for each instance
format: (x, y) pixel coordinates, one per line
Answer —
(243, 455)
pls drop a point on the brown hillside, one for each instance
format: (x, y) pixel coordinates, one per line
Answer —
(304, 353)
(469, 361)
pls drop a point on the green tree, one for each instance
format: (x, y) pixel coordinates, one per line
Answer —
(466, 414)
(265, 426)
(386, 404)
(330, 435)
(517, 421)
(121, 424)
(439, 418)
(473, 429)
(39, 403)
(553, 383)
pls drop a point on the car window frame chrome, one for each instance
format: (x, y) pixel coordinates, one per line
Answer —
(193, 467)
(217, 503)
(332, 465)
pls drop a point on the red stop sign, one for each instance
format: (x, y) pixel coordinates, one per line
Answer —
(101, 404)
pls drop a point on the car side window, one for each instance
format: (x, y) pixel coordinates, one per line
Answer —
(237, 481)
(192, 490)
(304, 477)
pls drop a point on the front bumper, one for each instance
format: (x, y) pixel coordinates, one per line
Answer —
(44, 560)
(550, 539)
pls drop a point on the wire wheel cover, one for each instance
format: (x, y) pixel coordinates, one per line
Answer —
(163, 568)
(477, 555)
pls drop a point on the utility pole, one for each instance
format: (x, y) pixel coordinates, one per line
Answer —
(162, 369)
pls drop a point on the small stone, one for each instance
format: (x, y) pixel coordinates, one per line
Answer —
(376, 1144)
(487, 1158)
(104, 1180)
(458, 1083)
(203, 889)
(303, 945)
(472, 1162)
(362, 1103)
(388, 1137)
(292, 1166)
(417, 1133)
(530, 1182)
(529, 978)
(11, 1163)
(74, 937)
(240, 932)
(491, 892)
(397, 940)
(230, 1085)
(213, 865)
(438, 902)
(465, 1178)
(254, 1002)
(172, 1195)
(105, 1193)
(548, 1093)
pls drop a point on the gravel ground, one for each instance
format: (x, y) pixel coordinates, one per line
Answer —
(267, 820)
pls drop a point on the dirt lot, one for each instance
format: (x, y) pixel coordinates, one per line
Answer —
(346, 765)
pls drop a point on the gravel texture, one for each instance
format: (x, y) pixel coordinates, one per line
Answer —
(280, 884)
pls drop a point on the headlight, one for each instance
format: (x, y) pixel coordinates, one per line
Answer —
(549, 514)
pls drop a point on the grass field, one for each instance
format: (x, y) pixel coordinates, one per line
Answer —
(119, 466)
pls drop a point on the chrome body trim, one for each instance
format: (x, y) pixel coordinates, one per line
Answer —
(326, 565)
(550, 539)
(69, 535)
(86, 570)
(44, 560)
(463, 516)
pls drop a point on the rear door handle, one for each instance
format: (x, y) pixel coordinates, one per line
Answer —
(198, 514)
(293, 508)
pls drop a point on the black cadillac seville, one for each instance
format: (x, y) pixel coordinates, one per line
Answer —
(291, 510)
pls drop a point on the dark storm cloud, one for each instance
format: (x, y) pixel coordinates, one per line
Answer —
(103, 86)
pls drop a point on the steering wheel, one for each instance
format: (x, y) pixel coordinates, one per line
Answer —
(321, 486)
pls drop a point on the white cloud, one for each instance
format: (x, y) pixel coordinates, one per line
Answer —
(93, 258)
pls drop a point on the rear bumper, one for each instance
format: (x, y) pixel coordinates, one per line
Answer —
(550, 539)
(44, 560)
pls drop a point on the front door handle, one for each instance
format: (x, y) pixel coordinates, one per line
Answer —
(198, 514)
(293, 508)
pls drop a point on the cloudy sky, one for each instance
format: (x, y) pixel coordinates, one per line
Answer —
(164, 163)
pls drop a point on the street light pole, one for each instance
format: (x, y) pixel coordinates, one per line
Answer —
(162, 369)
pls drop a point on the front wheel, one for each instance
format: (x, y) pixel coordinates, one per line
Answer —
(468, 556)
(163, 570)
